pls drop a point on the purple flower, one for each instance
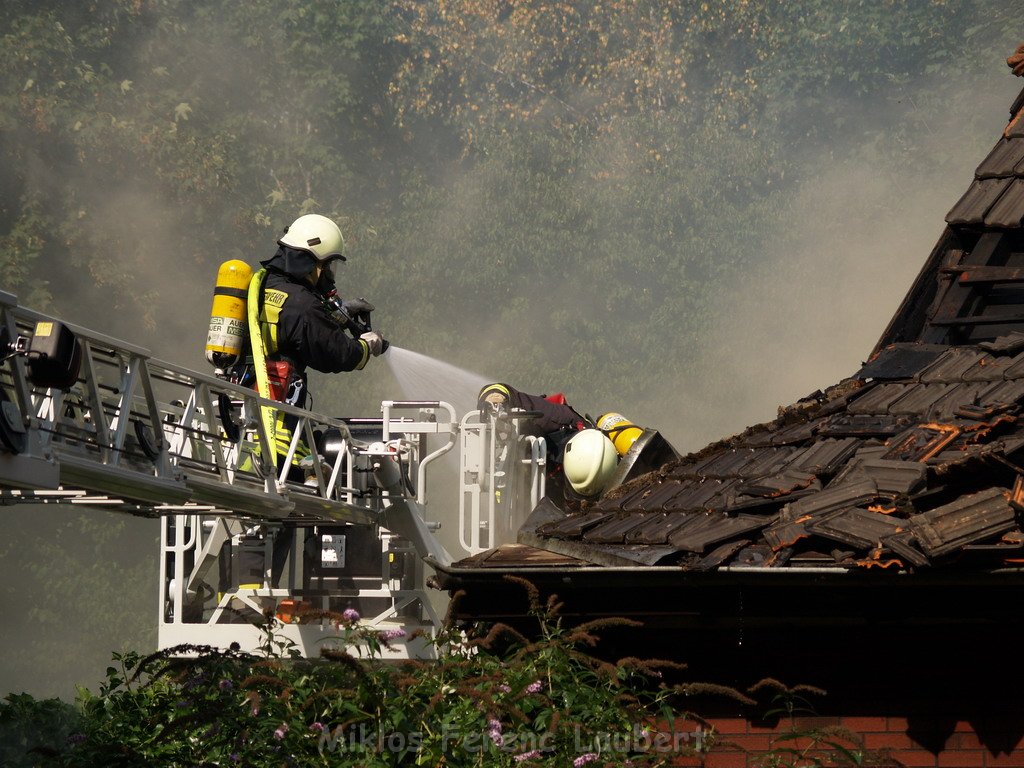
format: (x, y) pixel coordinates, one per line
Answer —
(76, 738)
(317, 726)
(225, 685)
(526, 756)
(504, 688)
(534, 686)
(282, 729)
(351, 614)
(583, 759)
(390, 634)
(494, 732)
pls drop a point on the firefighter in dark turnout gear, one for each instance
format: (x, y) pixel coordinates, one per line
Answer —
(556, 420)
(580, 452)
(291, 326)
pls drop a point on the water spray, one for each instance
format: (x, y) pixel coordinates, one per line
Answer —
(419, 375)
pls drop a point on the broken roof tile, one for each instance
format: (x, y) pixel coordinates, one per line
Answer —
(918, 400)
(1015, 128)
(1010, 344)
(1009, 208)
(709, 461)
(955, 454)
(857, 527)
(725, 496)
(655, 529)
(859, 425)
(901, 361)
(768, 461)
(1009, 445)
(720, 554)
(708, 528)
(958, 396)
(696, 496)
(853, 470)
(877, 400)
(824, 457)
(1015, 370)
(982, 413)
(921, 442)
(797, 433)
(617, 503)
(767, 505)
(1009, 392)
(728, 463)
(614, 531)
(573, 526)
(950, 367)
(976, 201)
(832, 499)
(754, 556)
(757, 437)
(904, 546)
(779, 484)
(1002, 160)
(967, 520)
(655, 498)
(988, 368)
(897, 477)
(785, 534)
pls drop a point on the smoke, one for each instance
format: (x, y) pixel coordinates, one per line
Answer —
(839, 261)
(827, 262)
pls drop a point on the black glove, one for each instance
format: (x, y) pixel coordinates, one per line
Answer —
(358, 309)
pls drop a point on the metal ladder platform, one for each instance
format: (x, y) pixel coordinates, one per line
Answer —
(138, 435)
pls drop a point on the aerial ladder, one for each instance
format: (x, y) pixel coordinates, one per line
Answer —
(94, 422)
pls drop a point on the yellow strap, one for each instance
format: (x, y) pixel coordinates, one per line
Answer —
(259, 357)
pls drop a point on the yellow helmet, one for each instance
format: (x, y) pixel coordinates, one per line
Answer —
(317, 235)
(589, 461)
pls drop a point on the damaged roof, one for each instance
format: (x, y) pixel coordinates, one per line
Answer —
(916, 461)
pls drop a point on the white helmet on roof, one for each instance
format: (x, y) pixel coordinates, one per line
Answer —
(317, 235)
(589, 461)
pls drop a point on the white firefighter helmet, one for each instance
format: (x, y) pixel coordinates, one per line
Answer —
(589, 460)
(317, 235)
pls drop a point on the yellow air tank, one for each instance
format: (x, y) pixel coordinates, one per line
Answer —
(620, 430)
(226, 340)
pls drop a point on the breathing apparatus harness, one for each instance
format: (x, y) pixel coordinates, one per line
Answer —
(259, 359)
(236, 345)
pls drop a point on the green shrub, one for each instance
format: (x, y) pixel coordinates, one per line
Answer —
(31, 729)
(494, 698)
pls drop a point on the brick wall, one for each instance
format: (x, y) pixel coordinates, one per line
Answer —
(891, 741)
